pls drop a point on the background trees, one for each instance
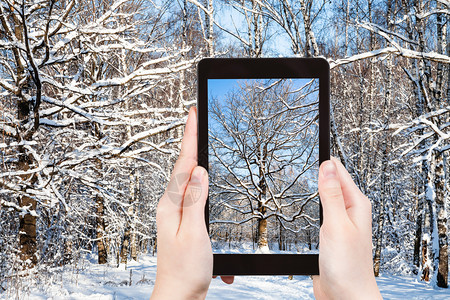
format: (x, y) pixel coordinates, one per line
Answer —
(82, 117)
(94, 96)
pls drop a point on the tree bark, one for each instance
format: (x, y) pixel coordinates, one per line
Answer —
(262, 221)
(418, 232)
(381, 214)
(262, 232)
(102, 253)
(430, 217)
(27, 231)
(312, 49)
(125, 246)
(426, 228)
(441, 258)
(133, 240)
(27, 221)
(385, 161)
(209, 25)
(257, 28)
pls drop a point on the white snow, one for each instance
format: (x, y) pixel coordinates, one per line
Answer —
(92, 281)
(263, 250)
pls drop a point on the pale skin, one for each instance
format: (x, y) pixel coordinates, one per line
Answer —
(185, 260)
(345, 257)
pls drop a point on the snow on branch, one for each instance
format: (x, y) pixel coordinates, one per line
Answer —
(431, 128)
(199, 5)
(432, 56)
(145, 134)
(78, 111)
(142, 73)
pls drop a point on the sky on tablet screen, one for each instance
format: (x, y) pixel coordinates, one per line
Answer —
(220, 87)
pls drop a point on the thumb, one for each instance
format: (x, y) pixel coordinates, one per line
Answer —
(194, 200)
(331, 195)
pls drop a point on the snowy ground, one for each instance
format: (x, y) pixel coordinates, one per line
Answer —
(92, 281)
(248, 248)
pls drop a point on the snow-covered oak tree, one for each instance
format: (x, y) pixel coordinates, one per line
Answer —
(264, 155)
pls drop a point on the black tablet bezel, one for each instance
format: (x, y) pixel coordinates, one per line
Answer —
(260, 68)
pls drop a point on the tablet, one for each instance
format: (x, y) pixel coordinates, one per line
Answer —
(263, 130)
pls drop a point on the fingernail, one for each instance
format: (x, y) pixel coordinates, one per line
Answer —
(192, 110)
(329, 169)
(197, 175)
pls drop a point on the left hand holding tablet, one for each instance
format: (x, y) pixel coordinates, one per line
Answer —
(185, 259)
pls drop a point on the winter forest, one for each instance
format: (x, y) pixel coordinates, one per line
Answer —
(263, 163)
(95, 94)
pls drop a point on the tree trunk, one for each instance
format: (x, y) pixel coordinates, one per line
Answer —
(27, 220)
(385, 161)
(441, 258)
(254, 235)
(125, 246)
(102, 253)
(377, 257)
(27, 231)
(437, 91)
(425, 266)
(154, 246)
(337, 141)
(262, 221)
(133, 245)
(133, 240)
(425, 263)
(280, 236)
(312, 49)
(262, 232)
(209, 25)
(68, 252)
(257, 28)
(430, 224)
(418, 233)
(441, 265)
(309, 237)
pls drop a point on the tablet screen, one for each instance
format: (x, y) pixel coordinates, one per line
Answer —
(263, 161)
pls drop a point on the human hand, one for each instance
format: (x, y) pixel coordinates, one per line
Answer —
(184, 259)
(345, 259)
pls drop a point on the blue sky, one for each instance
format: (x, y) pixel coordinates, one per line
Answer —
(220, 87)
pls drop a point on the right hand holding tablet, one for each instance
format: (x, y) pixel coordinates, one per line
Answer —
(345, 260)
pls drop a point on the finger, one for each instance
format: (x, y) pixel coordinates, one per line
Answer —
(358, 206)
(349, 189)
(331, 195)
(168, 215)
(193, 216)
(316, 288)
(227, 279)
(189, 143)
(187, 159)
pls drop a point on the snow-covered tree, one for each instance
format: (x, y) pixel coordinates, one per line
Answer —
(264, 154)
